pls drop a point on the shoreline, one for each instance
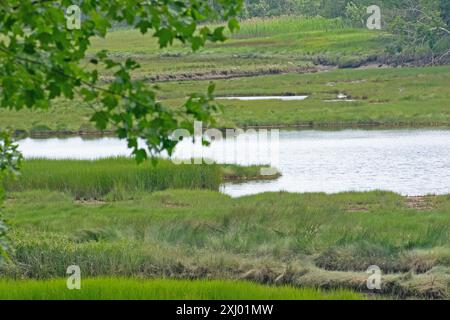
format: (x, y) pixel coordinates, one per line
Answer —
(301, 126)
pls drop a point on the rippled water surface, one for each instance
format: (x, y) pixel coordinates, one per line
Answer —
(410, 162)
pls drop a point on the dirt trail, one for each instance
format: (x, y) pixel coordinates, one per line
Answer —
(420, 202)
(226, 74)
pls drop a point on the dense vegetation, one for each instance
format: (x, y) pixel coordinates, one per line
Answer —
(338, 8)
(420, 26)
(275, 238)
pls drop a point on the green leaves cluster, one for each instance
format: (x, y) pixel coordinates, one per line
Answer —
(10, 157)
(40, 61)
(10, 160)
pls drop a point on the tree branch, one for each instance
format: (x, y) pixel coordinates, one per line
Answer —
(86, 83)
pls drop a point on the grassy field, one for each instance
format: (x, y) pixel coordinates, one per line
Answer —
(261, 45)
(138, 289)
(309, 240)
(390, 97)
(269, 57)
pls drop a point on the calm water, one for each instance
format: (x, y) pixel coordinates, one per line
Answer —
(410, 162)
(261, 98)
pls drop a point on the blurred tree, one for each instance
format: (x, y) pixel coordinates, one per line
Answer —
(418, 26)
(356, 14)
(268, 8)
(445, 11)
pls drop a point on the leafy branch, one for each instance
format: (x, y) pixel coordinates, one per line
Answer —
(41, 62)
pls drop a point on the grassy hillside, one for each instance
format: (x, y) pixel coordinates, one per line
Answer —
(276, 238)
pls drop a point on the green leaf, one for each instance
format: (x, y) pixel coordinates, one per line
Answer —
(165, 36)
(143, 26)
(218, 34)
(110, 101)
(197, 43)
(140, 155)
(233, 25)
(29, 97)
(131, 64)
(88, 94)
(55, 90)
(101, 119)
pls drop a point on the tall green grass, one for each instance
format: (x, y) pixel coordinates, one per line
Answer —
(114, 176)
(268, 238)
(138, 289)
(261, 27)
(121, 178)
(344, 232)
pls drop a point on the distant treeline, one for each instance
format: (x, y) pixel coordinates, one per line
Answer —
(420, 27)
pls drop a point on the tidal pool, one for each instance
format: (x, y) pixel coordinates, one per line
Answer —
(409, 162)
(261, 98)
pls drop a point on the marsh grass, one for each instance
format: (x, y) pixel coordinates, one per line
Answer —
(160, 289)
(268, 47)
(383, 97)
(121, 178)
(278, 43)
(308, 240)
(263, 27)
(98, 178)
(391, 97)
